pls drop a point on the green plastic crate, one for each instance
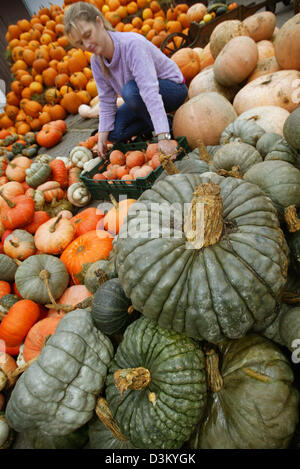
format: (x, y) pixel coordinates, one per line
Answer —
(101, 190)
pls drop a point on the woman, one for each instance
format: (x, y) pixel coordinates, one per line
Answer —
(127, 64)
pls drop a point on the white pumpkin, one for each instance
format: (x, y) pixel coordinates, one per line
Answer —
(80, 155)
(78, 194)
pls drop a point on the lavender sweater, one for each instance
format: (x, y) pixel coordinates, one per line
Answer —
(135, 58)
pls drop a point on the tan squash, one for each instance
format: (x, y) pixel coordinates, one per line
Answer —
(222, 34)
(203, 117)
(236, 61)
(274, 89)
(206, 81)
(263, 67)
(287, 44)
(265, 49)
(270, 118)
(261, 25)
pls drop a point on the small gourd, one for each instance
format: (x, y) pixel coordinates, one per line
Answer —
(78, 194)
(37, 174)
(80, 155)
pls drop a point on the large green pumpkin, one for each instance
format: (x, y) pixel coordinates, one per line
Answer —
(57, 393)
(235, 156)
(224, 288)
(291, 129)
(279, 180)
(241, 130)
(273, 146)
(257, 406)
(166, 398)
(8, 268)
(74, 440)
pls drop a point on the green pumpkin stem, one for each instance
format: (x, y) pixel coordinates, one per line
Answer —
(291, 218)
(132, 378)
(44, 275)
(9, 202)
(203, 153)
(213, 376)
(52, 227)
(204, 222)
(168, 164)
(235, 172)
(104, 415)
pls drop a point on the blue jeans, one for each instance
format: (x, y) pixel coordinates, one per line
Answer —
(132, 117)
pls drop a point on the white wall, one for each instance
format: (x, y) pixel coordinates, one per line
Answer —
(33, 6)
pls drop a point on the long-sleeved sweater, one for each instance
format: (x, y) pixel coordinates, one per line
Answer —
(134, 58)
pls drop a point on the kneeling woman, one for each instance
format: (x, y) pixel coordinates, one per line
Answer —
(129, 65)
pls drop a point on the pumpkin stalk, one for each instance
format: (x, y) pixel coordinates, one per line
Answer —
(44, 275)
(203, 153)
(168, 164)
(86, 303)
(291, 218)
(130, 309)
(52, 228)
(204, 222)
(101, 276)
(213, 375)
(9, 202)
(14, 243)
(132, 378)
(235, 172)
(290, 297)
(254, 374)
(114, 201)
(104, 414)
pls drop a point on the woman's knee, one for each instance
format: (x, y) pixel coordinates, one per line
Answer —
(130, 91)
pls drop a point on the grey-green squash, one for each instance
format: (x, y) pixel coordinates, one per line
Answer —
(37, 174)
(273, 146)
(112, 311)
(235, 157)
(7, 434)
(57, 393)
(74, 440)
(257, 406)
(246, 131)
(40, 273)
(165, 400)
(8, 268)
(100, 437)
(222, 288)
(279, 180)
(98, 273)
(188, 165)
(291, 128)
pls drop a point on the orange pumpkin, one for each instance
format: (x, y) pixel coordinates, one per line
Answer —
(16, 168)
(86, 220)
(53, 236)
(5, 288)
(115, 217)
(48, 137)
(18, 321)
(84, 250)
(35, 338)
(17, 212)
(39, 217)
(188, 61)
(19, 245)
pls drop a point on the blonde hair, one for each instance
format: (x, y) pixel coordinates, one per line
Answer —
(86, 12)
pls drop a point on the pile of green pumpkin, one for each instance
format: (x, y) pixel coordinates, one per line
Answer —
(189, 341)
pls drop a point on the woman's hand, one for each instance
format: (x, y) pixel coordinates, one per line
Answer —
(102, 144)
(168, 147)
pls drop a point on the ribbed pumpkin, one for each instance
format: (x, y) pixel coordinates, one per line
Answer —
(207, 282)
(74, 362)
(74, 440)
(111, 309)
(40, 275)
(87, 220)
(169, 390)
(242, 130)
(188, 61)
(234, 159)
(257, 405)
(19, 319)
(84, 250)
(19, 245)
(291, 129)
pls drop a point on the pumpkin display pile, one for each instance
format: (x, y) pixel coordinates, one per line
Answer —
(148, 325)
